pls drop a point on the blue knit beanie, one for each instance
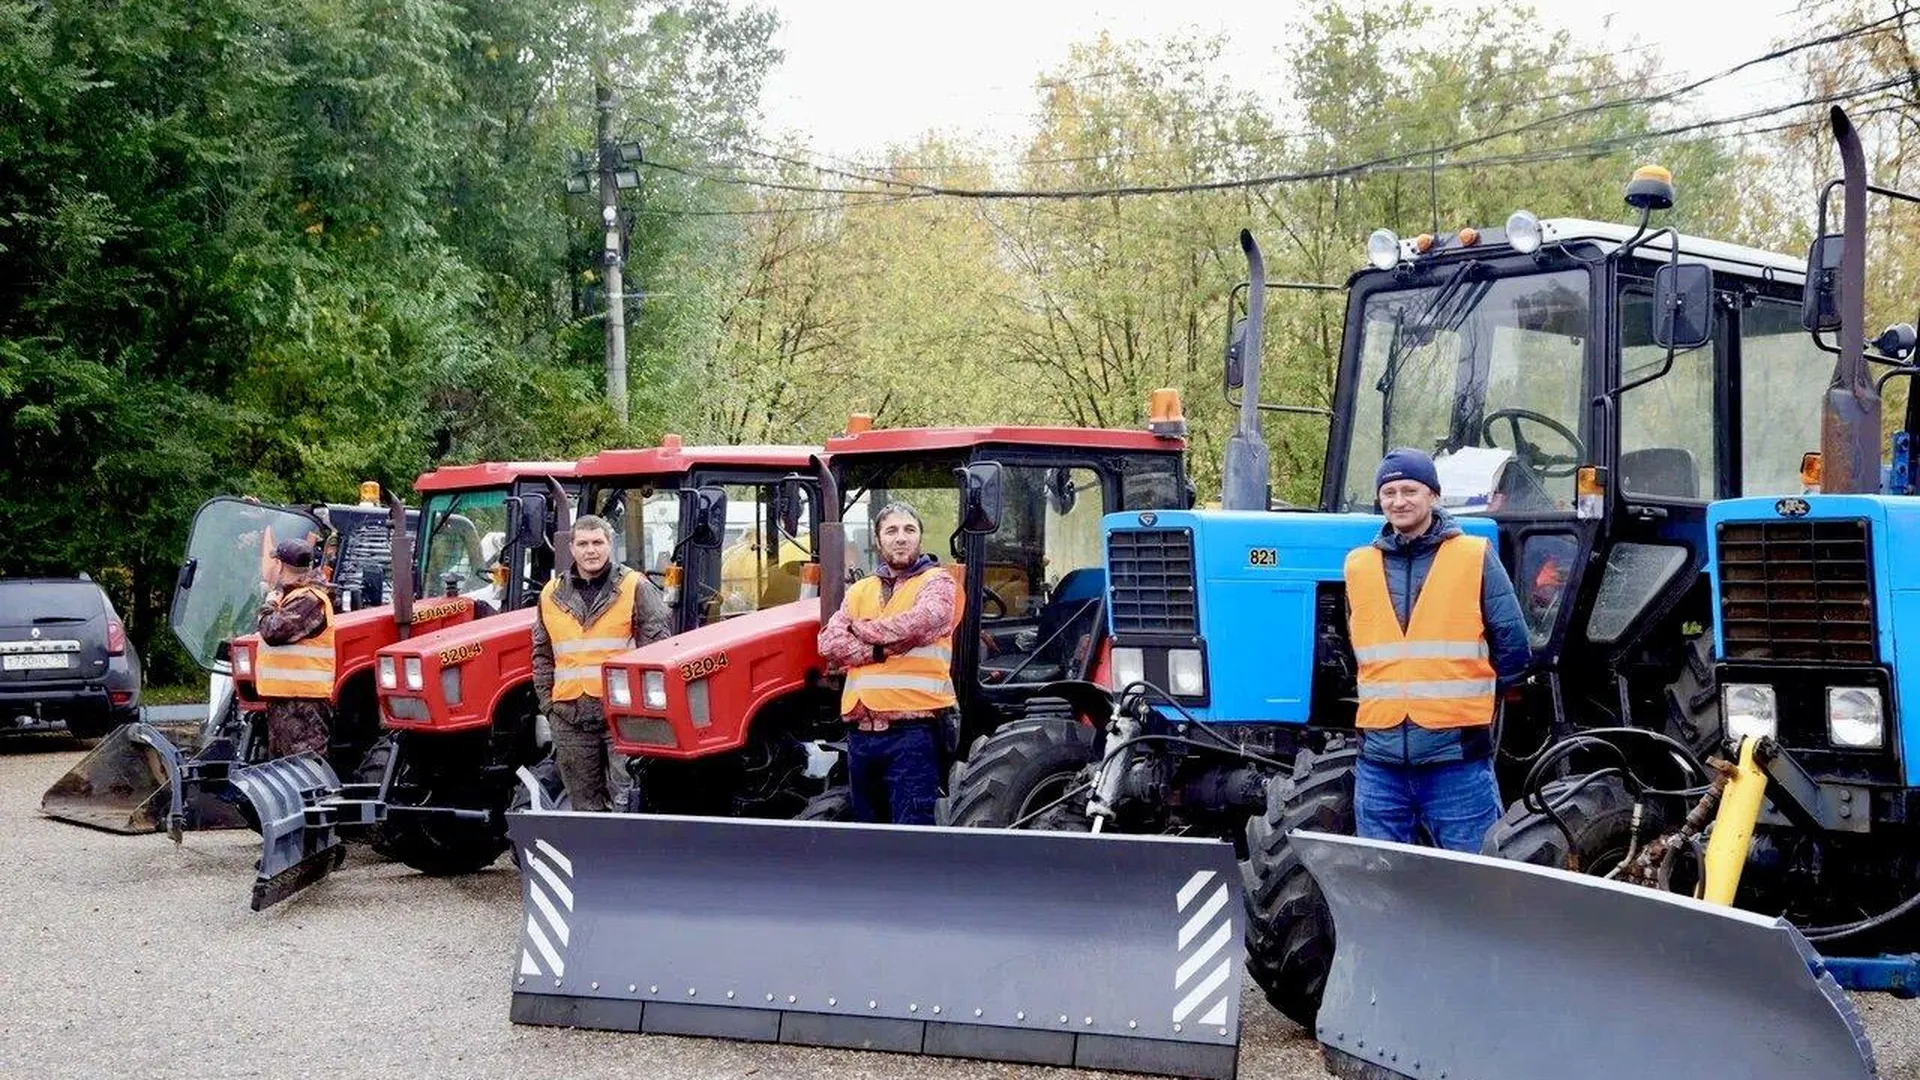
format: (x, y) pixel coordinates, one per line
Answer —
(1406, 463)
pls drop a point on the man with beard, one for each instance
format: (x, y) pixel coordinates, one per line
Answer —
(894, 635)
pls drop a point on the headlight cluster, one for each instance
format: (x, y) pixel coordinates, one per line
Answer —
(243, 662)
(1186, 670)
(389, 674)
(1856, 715)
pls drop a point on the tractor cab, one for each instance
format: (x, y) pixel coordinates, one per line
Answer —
(1015, 515)
(1590, 390)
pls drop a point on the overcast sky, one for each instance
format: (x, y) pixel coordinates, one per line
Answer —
(861, 74)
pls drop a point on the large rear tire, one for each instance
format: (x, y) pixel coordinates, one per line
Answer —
(833, 804)
(1010, 775)
(437, 847)
(1598, 814)
(1289, 929)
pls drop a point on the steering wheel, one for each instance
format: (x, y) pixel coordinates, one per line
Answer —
(1530, 455)
(989, 597)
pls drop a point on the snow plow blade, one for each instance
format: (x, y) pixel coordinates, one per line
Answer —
(1448, 964)
(1032, 947)
(299, 843)
(143, 779)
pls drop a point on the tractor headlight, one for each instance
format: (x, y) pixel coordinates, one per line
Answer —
(243, 662)
(653, 690)
(1129, 667)
(1750, 710)
(1383, 249)
(619, 689)
(1523, 232)
(389, 676)
(1187, 672)
(416, 680)
(1854, 717)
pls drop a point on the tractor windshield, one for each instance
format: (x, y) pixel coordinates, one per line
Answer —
(1487, 374)
(465, 537)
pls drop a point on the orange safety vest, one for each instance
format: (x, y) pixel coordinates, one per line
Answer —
(303, 669)
(1438, 671)
(578, 651)
(918, 680)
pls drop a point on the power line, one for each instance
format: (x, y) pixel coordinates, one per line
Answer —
(1426, 156)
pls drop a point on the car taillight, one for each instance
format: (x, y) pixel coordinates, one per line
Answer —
(116, 637)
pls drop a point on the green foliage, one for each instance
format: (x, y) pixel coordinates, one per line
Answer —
(283, 247)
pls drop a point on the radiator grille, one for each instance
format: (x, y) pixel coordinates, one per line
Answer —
(1797, 590)
(1152, 579)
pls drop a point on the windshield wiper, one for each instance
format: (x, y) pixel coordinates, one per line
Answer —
(1442, 311)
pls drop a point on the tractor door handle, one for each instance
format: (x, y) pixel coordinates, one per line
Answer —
(1647, 513)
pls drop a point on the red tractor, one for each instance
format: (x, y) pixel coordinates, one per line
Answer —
(718, 718)
(722, 530)
(471, 557)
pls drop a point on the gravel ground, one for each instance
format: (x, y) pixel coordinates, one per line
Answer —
(130, 957)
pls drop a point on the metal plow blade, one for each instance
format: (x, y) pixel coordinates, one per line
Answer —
(1040, 948)
(298, 844)
(141, 779)
(1461, 965)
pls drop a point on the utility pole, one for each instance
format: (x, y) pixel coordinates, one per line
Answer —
(612, 258)
(608, 169)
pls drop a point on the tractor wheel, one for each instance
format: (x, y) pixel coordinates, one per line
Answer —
(436, 847)
(1019, 769)
(1693, 700)
(1289, 929)
(1598, 814)
(833, 804)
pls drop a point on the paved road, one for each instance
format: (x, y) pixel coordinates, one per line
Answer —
(128, 956)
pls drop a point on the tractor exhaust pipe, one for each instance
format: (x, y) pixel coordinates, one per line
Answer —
(1850, 416)
(831, 548)
(400, 570)
(1245, 484)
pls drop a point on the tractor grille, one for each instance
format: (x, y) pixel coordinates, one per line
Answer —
(1797, 590)
(1151, 577)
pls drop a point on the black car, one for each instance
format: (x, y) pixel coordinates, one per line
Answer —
(64, 658)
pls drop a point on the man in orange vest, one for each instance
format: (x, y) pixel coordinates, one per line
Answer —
(294, 668)
(1437, 632)
(595, 610)
(894, 636)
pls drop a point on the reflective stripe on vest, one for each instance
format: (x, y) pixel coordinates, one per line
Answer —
(1438, 672)
(578, 651)
(304, 669)
(918, 680)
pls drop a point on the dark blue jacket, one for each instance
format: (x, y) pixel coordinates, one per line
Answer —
(1407, 563)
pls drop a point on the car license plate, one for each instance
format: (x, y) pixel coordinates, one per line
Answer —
(33, 661)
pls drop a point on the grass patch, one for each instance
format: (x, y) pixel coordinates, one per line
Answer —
(191, 694)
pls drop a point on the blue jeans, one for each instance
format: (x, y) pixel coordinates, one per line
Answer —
(893, 775)
(1457, 802)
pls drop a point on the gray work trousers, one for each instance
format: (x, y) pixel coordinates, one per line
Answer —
(594, 776)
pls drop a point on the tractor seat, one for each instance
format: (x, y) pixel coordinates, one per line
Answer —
(1075, 601)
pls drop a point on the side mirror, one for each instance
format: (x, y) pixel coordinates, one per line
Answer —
(187, 571)
(789, 504)
(1682, 306)
(1820, 296)
(1237, 355)
(981, 498)
(373, 586)
(709, 516)
(527, 514)
(1896, 342)
(1060, 490)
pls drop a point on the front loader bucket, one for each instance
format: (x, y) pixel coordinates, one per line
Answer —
(1448, 964)
(298, 842)
(142, 779)
(1033, 947)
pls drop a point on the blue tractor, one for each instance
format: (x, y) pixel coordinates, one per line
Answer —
(1615, 406)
